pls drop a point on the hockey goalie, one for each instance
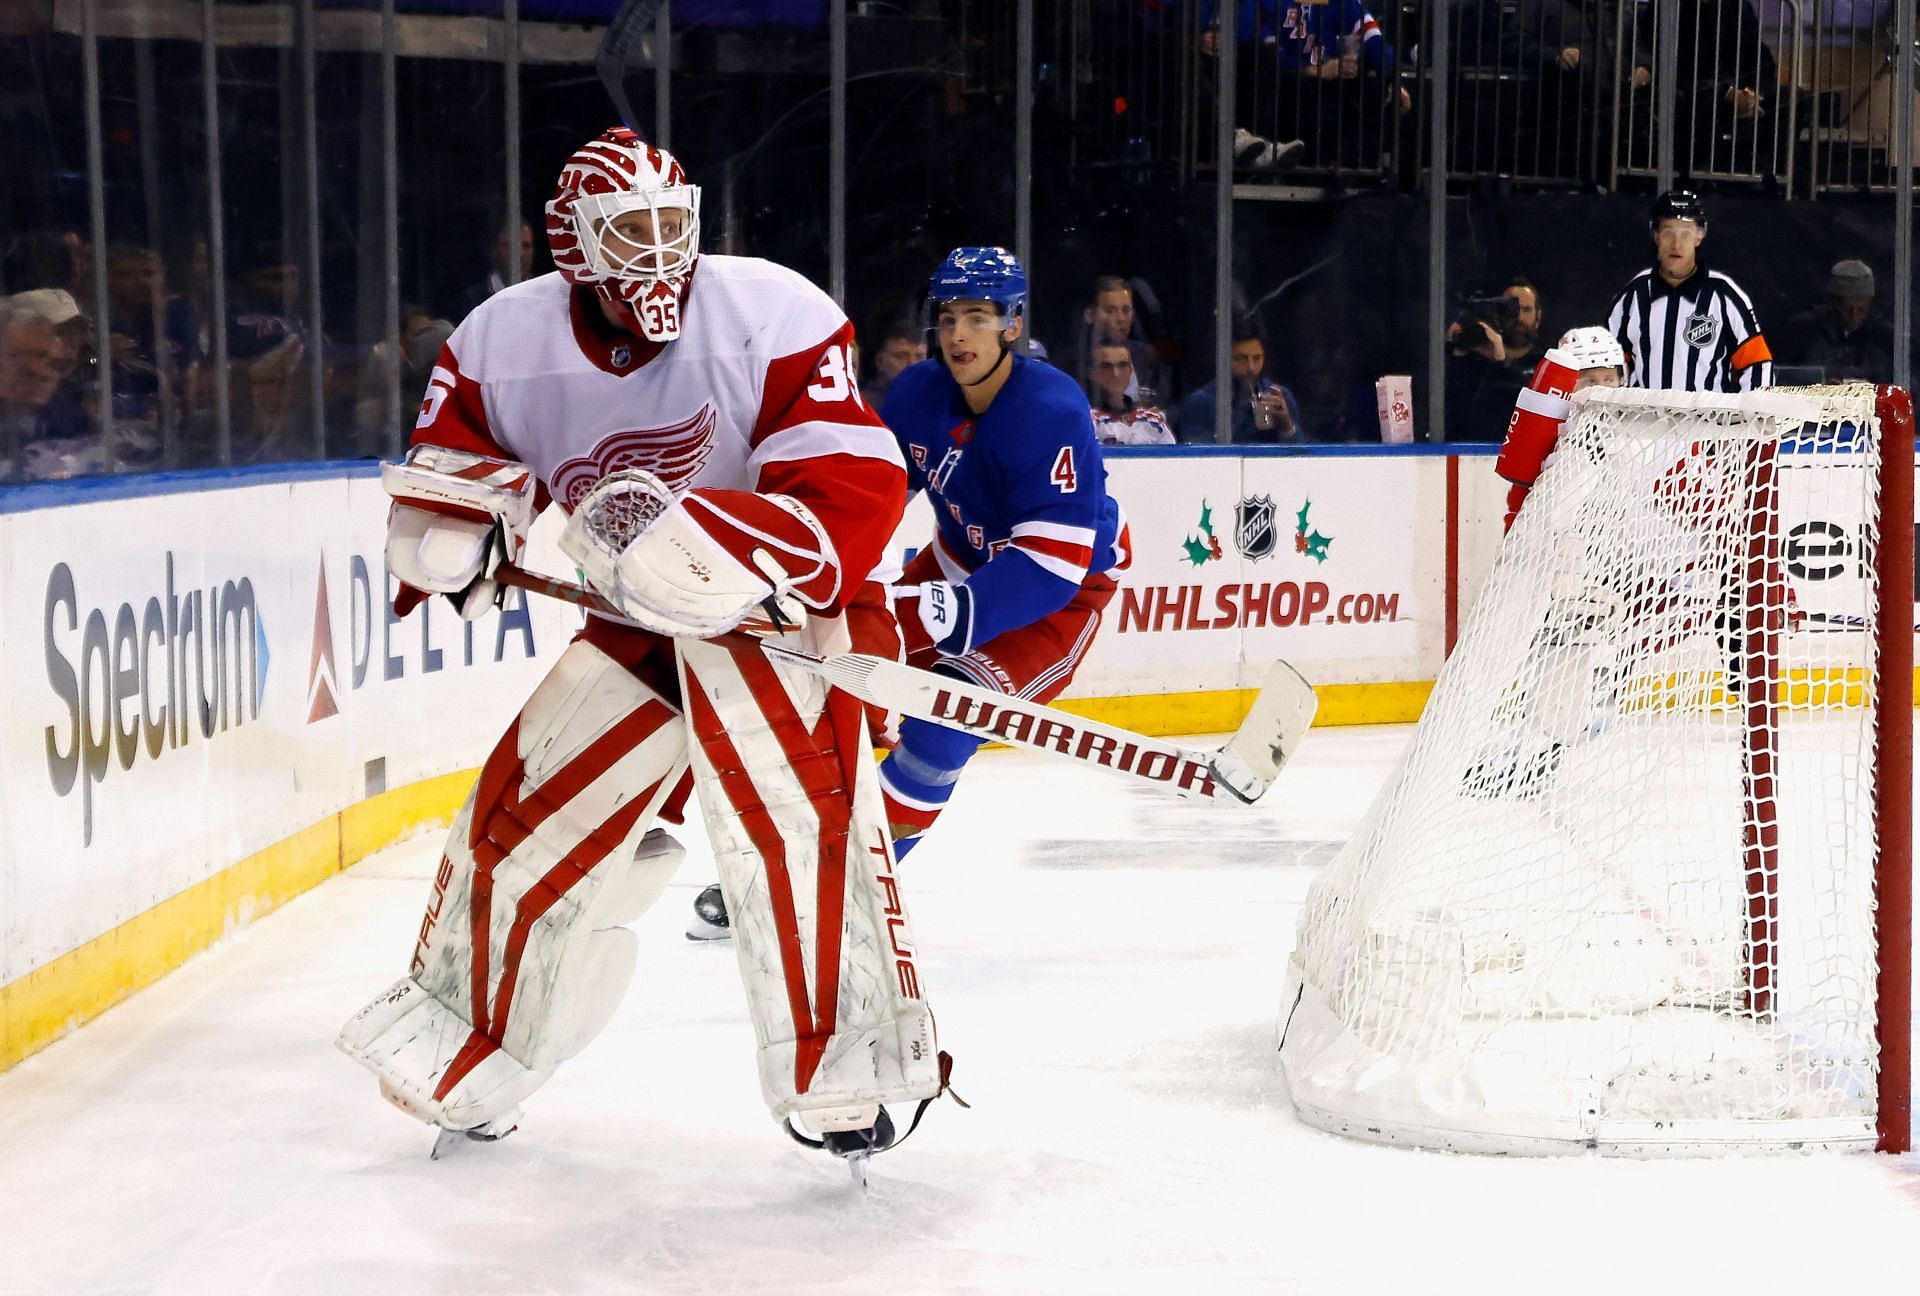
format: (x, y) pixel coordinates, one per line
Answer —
(700, 421)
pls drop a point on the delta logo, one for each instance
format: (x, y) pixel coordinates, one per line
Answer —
(381, 646)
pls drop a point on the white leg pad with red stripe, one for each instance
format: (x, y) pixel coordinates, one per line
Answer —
(792, 804)
(522, 955)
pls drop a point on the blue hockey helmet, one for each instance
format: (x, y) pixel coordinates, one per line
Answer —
(989, 274)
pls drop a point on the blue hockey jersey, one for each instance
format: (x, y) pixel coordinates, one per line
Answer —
(1019, 492)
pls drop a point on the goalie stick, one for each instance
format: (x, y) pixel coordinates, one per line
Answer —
(1237, 773)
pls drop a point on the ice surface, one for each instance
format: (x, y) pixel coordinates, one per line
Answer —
(1105, 963)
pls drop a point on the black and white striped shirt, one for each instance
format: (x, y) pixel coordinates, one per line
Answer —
(1698, 336)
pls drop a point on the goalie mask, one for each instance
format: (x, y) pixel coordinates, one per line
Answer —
(624, 220)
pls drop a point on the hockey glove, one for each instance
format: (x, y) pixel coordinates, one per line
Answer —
(456, 517)
(655, 558)
(946, 613)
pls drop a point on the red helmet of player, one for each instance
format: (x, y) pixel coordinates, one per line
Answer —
(624, 220)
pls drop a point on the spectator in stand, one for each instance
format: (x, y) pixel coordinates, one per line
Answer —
(1329, 53)
(267, 346)
(49, 258)
(1118, 419)
(1519, 102)
(1263, 411)
(151, 334)
(421, 336)
(1733, 82)
(1255, 29)
(1109, 321)
(1842, 335)
(37, 422)
(900, 346)
(71, 334)
(502, 259)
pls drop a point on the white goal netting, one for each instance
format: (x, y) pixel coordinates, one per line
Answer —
(1620, 892)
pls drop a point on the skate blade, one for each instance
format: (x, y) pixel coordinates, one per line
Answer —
(857, 1167)
(448, 1139)
(701, 930)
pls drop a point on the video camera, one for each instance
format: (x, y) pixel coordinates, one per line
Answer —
(1499, 310)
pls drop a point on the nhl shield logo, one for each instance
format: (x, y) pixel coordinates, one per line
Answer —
(1701, 329)
(1253, 526)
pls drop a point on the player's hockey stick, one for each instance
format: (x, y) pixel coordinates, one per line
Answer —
(1237, 773)
(625, 31)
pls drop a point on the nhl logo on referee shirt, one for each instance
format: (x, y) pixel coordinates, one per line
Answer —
(1700, 330)
(1253, 526)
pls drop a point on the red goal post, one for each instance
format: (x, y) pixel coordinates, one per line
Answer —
(1893, 807)
(1643, 881)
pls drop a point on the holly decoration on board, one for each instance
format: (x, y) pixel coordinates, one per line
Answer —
(1204, 547)
(1309, 542)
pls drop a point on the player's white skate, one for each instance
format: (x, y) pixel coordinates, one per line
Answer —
(710, 917)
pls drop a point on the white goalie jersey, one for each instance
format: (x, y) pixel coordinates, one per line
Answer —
(758, 393)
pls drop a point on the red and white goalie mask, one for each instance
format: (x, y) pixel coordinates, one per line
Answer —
(624, 220)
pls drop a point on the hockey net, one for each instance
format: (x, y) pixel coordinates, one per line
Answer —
(1642, 880)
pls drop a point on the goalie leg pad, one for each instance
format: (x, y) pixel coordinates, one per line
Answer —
(520, 960)
(825, 949)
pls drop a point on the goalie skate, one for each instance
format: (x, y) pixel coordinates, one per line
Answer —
(709, 922)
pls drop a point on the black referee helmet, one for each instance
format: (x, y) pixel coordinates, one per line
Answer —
(1677, 204)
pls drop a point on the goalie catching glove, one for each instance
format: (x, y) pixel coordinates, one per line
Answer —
(701, 565)
(456, 517)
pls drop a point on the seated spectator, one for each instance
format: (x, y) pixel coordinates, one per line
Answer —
(1263, 412)
(1520, 66)
(1842, 335)
(502, 258)
(151, 333)
(1108, 321)
(1732, 82)
(71, 333)
(1117, 418)
(48, 258)
(266, 344)
(37, 423)
(421, 337)
(901, 345)
(1312, 72)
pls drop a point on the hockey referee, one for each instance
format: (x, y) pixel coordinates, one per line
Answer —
(1685, 327)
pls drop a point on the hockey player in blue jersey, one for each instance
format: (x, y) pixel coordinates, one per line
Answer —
(1009, 593)
(1026, 540)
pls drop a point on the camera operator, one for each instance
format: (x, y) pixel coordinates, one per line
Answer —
(1484, 373)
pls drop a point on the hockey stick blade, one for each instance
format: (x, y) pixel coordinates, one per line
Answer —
(625, 33)
(1237, 774)
(1266, 740)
